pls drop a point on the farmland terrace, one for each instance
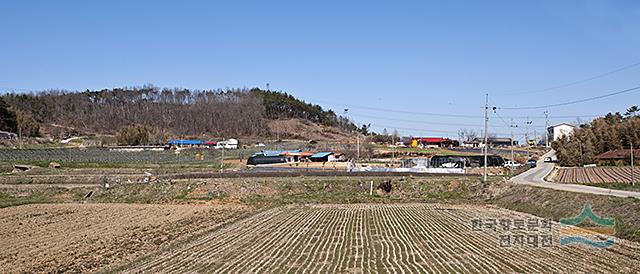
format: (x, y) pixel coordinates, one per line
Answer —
(303, 224)
(364, 238)
(594, 175)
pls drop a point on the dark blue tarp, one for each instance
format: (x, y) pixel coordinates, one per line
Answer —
(185, 142)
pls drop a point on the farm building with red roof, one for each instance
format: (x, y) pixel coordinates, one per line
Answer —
(433, 142)
(617, 157)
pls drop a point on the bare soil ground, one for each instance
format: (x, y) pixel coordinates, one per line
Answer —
(300, 226)
(375, 238)
(87, 237)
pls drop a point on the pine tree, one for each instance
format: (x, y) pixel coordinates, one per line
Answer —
(7, 118)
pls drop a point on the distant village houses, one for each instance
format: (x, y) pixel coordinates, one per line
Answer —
(494, 142)
(327, 157)
(433, 142)
(618, 157)
(226, 144)
(558, 131)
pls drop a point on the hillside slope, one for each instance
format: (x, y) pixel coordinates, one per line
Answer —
(179, 112)
(296, 128)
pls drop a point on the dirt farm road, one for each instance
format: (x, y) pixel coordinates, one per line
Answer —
(535, 177)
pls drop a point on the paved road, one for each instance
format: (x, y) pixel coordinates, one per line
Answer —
(535, 177)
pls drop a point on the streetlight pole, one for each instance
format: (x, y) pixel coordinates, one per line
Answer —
(346, 115)
(546, 128)
(526, 131)
(526, 134)
(513, 160)
(486, 127)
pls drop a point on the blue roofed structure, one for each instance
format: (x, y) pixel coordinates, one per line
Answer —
(185, 142)
(323, 157)
(321, 154)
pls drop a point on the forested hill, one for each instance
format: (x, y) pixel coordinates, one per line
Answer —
(280, 105)
(611, 132)
(231, 112)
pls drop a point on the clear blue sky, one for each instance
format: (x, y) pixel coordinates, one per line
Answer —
(416, 56)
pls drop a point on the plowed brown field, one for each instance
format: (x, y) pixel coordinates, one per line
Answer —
(379, 238)
(88, 237)
(595, 175)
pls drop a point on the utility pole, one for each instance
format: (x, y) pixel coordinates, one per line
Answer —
(513, 160)
(526, 134)
(346, 114)
(222, 161)
(632, 177)
(486, 128)
(393, 151)
(20, 136)
(546, 128)
(526, 130)
(358, 147)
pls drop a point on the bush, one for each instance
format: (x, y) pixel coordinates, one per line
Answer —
(5, 167)
(134, 135)
(27, 126)
(7, 117)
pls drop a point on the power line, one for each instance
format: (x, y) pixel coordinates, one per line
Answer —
(576, 101)
(449, 115)
(413, 129)
(410, 121)
(505, 122)
(574, 82)
(414, 121)
(399, 111)
(565, 116)
(422, 129)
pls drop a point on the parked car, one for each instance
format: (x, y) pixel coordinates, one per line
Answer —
(451, 165)
(532, 163)
(548, 160)
(512, 164)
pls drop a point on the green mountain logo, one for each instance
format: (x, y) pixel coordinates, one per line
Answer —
(587, 213)
(572, 235)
